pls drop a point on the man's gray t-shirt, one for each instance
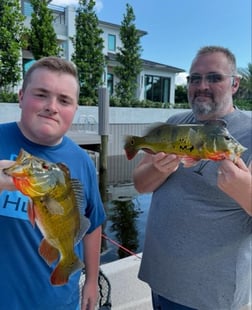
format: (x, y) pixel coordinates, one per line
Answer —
(197, 248)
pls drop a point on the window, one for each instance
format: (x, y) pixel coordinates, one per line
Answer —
(110, 83)
(157, 88)
(112, 42)
(27, 8)
(27, 64)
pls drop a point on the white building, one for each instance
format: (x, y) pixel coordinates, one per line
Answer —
(156, 81)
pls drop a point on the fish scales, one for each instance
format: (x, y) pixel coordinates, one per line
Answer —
(208, 141)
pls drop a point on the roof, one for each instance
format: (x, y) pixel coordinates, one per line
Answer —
(150, 64)
(116, 26)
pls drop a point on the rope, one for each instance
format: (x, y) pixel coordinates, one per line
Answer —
(120, 246)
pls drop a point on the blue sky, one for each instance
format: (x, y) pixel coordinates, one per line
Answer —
(177, 29)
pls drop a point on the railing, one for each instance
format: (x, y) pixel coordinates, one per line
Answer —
(86, 123)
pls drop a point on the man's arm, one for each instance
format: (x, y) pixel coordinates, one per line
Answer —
(92, 245)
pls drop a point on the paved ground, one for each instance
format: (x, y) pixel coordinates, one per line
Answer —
(127, 291)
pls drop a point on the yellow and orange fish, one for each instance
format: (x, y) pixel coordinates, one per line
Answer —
(55, 208)
(210, 140)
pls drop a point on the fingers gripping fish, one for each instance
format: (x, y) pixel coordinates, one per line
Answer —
(55, 208)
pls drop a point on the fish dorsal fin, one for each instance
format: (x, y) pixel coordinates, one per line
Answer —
(216, 122)
(154, 127)
(81, 202)
(79, 194)
(84, 226)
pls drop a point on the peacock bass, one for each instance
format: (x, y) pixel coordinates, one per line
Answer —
(55, 207)
(210, 140)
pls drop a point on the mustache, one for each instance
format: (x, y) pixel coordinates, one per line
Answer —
(206, 93)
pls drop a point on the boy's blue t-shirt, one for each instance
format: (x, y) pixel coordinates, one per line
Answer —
(24, 275)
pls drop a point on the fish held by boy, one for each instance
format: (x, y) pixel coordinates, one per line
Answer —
(208, 141)
(56, 201)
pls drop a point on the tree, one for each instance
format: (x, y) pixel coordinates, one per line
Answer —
(42, 38)
(128, 57)
(243, 97)
(181, 94)
(88, 55)
(246, 82)
(11, 42)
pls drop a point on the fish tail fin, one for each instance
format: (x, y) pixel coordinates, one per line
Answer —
(64, 269)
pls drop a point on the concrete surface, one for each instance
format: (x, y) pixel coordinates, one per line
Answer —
(127, 291)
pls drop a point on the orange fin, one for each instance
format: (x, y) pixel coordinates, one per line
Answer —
(64, 269)
(48, 252)
(188, 161)
(31, 213)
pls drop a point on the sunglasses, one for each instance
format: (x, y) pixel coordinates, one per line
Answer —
(210, 78)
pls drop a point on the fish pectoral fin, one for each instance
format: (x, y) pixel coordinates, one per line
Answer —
(64, 269)
(31, 212)
(53, 206)
(84, 226)
(48, 252)
(196, 139)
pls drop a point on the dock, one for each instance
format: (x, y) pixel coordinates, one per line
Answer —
(127, 291)
(87, 140)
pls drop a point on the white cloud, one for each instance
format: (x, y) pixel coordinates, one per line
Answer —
(181, 78)
(65, 2)
(98, 6)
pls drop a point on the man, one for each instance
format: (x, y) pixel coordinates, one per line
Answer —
(48, 101)
(197, 252)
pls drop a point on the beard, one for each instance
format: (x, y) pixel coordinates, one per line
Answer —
(203, 105)
(203, 109)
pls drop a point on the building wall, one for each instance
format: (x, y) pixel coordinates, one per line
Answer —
(64, 26)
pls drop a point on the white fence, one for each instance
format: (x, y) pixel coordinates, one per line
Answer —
(122, 122)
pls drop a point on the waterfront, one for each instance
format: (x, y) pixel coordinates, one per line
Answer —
(126, 219)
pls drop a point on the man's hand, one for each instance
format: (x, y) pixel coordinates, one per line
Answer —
(235, 180)
(6, 182)
(165, 163)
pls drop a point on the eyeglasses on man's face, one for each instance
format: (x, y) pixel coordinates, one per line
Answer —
(210, 78)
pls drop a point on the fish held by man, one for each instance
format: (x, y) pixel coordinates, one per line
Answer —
(55, 208)
(208, 141)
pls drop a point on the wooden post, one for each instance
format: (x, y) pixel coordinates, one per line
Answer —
(103, 132)
(103, 106)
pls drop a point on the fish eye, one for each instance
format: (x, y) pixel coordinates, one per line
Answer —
(227, 138)
(132, 141)
(45, 166)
